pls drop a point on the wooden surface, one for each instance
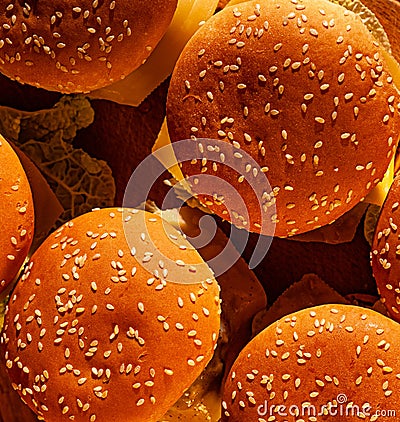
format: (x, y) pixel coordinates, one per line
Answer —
(123, 136)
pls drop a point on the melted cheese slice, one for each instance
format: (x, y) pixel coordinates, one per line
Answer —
(378, 195)
(189, 15)
(165, 154)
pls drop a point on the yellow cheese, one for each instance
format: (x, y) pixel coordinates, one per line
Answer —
(378, 195)
(206, 407)
(132, 90)
(165, 154)
(393, 66)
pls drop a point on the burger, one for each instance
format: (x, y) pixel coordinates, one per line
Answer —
(242, 296)
(16, 214)
(81, 46)
(321, 363)
(298, 93)
(114, 317)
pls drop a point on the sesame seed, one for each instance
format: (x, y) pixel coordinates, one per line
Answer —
(324, 87)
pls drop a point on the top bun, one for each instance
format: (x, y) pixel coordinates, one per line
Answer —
(303, 88)
(386, 249)
(327, 363)
(81, 45)
(115, 316)
(16, 214)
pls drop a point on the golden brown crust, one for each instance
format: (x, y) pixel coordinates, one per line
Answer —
(79, 46)
(385, 251)
(16, 214)
(303, 89)
(88, 335)
(316, 356)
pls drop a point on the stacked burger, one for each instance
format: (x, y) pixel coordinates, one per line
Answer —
(286, 113)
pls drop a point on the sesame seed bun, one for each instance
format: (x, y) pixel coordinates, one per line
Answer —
(385, 251)
(93, 330)
(82, 45)
(330, 355)
(16, 214)
(302, 88)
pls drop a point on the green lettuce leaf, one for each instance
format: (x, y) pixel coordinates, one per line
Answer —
(79, 181)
